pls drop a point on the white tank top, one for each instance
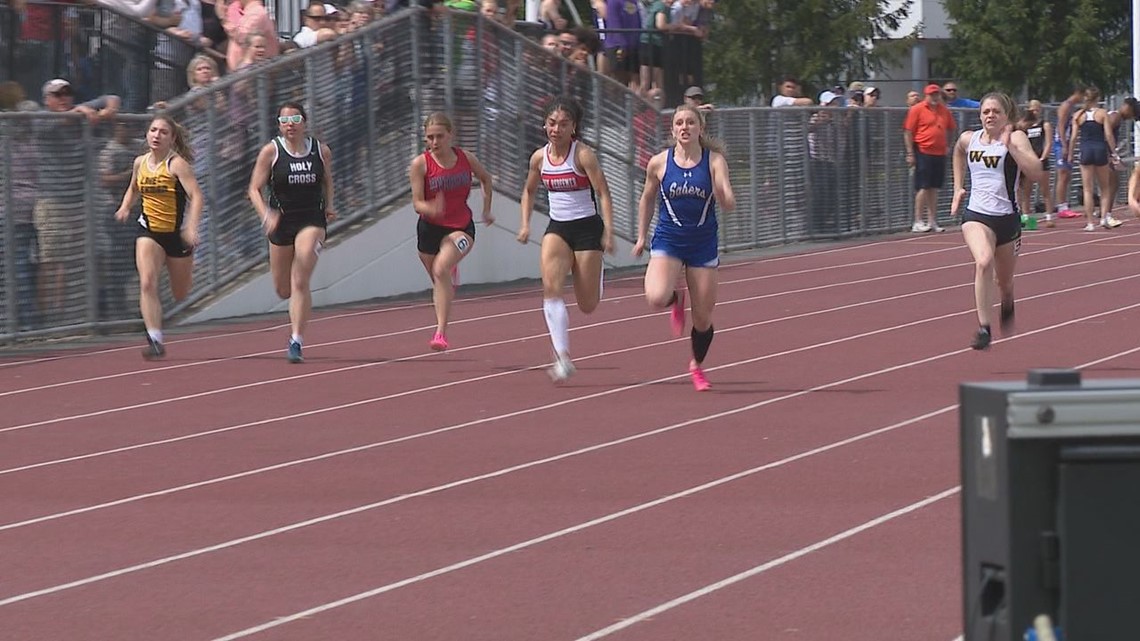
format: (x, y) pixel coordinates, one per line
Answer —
(993, 177)
(570, 193)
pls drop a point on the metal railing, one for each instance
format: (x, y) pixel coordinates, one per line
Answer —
(97, 50)
(66, 266)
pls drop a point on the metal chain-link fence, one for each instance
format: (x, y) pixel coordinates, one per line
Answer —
(65, 265)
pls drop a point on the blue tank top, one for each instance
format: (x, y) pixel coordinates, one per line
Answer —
(687, 197)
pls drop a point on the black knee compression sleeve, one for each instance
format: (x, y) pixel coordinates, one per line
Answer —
(701, 342)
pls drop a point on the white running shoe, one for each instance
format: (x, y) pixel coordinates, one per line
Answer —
(1109, 222)
(1090, 227)
(561, 370)
(920, 228)
(937, 228)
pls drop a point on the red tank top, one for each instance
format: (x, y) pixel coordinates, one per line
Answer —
(455, 183)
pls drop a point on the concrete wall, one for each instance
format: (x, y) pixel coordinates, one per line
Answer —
(382, 261)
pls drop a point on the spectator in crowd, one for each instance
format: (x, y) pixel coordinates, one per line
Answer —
(252, 19)
(11, 95)
(695, 96)
(213, 33)
(871, 96)
(315, 17)
(685, 40)
(790, 95)
(1039, 132)
(824, 139)
(568, 41)
(913, 98)
(1116, 118)
(551, 43)
(950, 90)
(621, 47)
(41, 26)
(550, 14)
(926, 133)
(1061, 151)
(23, 179)
(855, 94)
(652, 56)
(1091, 127)
(58, 215)
(190, 27)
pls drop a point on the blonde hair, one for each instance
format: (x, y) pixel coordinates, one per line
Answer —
(439, 118)
(706, 142)
(1004, 101)
(181, 143)
(197, 60)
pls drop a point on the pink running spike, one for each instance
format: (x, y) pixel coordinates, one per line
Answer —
(701, 383)
(438, 342)
(677, 316)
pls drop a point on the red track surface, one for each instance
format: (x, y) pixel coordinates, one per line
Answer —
(380, 491)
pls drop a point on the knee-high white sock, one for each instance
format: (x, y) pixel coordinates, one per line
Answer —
(558, 322)
(602, 282)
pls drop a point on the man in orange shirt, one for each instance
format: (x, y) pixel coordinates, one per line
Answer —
(927, 130)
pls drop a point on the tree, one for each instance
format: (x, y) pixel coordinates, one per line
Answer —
(1042, 47)
(755, 42)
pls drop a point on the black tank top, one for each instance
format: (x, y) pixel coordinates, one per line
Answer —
(1091, 132)
(1036, 135)
(296, 183)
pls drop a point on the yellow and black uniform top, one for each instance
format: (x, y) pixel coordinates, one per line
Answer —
(163, 198)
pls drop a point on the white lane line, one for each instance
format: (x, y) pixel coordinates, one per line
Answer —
(458, 301)
(732, 580)
(151, 371)
(692, 596)
(484, 377)
(334, 408)
(286, 379)
(613, 516)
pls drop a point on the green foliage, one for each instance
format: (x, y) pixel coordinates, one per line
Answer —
(755, 42)
(1041, 47)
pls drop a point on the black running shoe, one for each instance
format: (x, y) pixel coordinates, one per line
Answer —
(153, 350)
(1007, 316)
(982, 339)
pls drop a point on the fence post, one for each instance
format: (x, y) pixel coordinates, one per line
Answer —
(781, 180)
(631, 170)
(753, 194)
(449, 71)
(212, 188)
(90, 231)
(11, 283)
(370, 107)
(417, 76)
